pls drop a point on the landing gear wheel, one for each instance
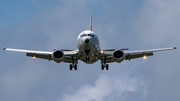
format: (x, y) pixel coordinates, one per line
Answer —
(71, 66)
(75, 67)
(87, 58)
(107, 67)
(102, 67)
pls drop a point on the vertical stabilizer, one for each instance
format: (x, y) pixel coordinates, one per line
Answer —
(90, 21)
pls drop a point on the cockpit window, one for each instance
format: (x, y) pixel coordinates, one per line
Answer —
(92, 35)
(83, 35)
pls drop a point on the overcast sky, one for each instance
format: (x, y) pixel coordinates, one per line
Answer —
(55, 24)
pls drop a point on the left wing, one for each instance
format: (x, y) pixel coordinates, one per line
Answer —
(68, 54)
(107, 55)
(143, 53)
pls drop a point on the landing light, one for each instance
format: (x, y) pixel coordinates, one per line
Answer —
(145, 57)
(102, 51)
(34, 57)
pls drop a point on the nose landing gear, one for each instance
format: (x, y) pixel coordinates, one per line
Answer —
(87, 58)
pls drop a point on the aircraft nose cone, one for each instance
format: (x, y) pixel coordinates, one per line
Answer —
(87, 40)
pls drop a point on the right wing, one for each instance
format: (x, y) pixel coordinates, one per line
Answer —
(68, 54)
(33, 53)
(28, 51)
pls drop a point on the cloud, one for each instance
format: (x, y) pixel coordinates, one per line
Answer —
(157, 25)
(158, 22)
(109, 87)
(88, 93)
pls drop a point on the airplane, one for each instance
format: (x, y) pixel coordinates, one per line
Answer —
(89, 51)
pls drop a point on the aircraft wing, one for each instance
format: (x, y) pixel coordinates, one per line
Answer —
(128, 55)
(143, 53)
(28, 51)
(47, 54)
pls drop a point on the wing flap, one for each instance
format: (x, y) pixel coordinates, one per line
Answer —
(139, 55)
(41, 56)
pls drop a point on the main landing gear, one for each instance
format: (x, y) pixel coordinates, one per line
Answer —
(73, 66)
(104, 66)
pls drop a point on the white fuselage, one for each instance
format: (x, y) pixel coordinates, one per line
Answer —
(88, 45)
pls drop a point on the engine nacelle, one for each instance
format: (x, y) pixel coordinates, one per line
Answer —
(58, 56)
(118, 56)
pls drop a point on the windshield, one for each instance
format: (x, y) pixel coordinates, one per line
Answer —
(92, 35)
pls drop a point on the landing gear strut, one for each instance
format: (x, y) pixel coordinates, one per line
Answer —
(104, 66)
(73, 65)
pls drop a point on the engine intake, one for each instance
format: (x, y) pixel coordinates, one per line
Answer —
(58, 56)
(118, 56)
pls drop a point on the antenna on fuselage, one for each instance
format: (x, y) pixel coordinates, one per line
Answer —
(90, 21)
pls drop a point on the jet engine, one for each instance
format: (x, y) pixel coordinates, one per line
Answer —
(58, 56)
(118, 56)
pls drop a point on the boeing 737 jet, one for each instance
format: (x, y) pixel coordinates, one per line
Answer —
(89, 51)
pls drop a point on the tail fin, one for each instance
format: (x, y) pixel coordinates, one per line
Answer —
(90, 21)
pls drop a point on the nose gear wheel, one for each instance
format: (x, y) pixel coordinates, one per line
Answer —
(87, 58)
